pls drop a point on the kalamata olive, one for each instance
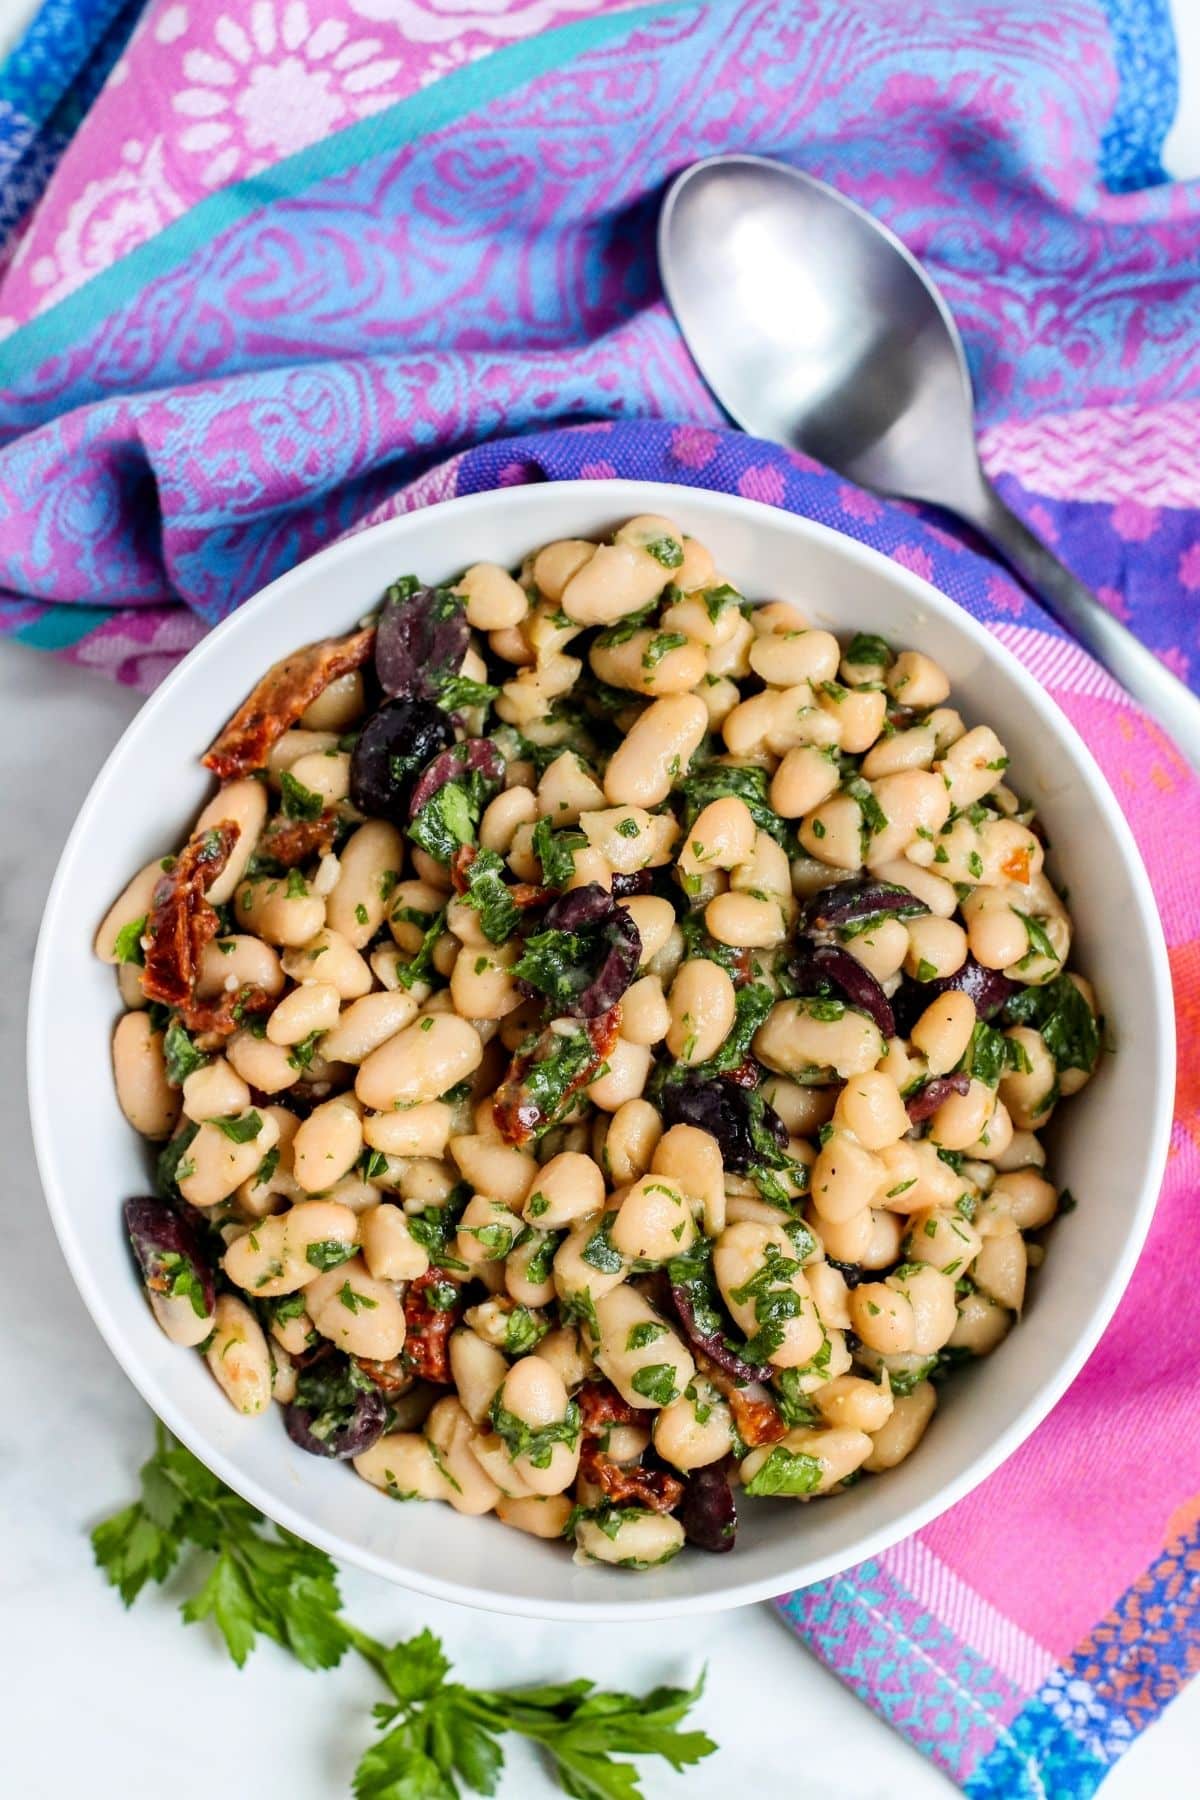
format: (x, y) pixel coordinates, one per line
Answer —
(170, 1254)
(421, 640)
(742, 1122)
(924, 1103)
(851, 1273)
(585, 972)
(392, 748)
(618, 968)
(338, 1411)
(849, 902)
(452, 765)
(813, 967)
(693, 1308)
(709, 1512)
(988, 988)
(582, 906)
(636, 881)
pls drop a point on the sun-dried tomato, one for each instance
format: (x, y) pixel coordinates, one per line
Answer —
(391, 1378)
(600, 1406)
(428, 1327)
(460, 861)
(652, 1488)
(1016, 864)
(181, 921)
(212, 1021)
(758, 1421)
(517, 1113)
(285, 691)
(525, 894)
(292, 841)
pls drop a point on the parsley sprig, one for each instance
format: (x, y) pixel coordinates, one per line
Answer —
(439, 1739)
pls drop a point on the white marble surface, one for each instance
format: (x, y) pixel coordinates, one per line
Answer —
(106, 1704)
(103, 1703)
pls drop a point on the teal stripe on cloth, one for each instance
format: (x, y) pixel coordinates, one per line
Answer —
(431, 109)
(61, 626)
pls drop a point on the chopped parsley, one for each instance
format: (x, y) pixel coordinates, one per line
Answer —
(239, 1128)
(667, 551)
(327, 1253)
(556, 850)
(786, 1472)
(1039, 941)
(127, 945)
(657, 1382)
(714, 780)
(1060, 1013)
(489, 894)
(299, 802)
(180, 1054)
(536, 1443)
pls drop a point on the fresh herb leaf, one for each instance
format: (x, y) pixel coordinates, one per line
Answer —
(539, 1265)
(796, 1408)
(458, 692)
(874, 819)
(1039, 941)
(127, 945)
(660, 645)
(256, 1581)
(536, 1442)
(561, 964)
(555, 850)
(436, 1227)
(180, 1054)
(450, 816)
(665, 550)
(172, 1166)
(327, 1253)
(523, 1331)
(421, 962)
(786, 1472)
(657, 1382)
(868, 651)
(752, 1004)
(300, 1055)
(299, 802)
(990, 1055)
(1059, 1011)
(489, 894)
(647, 1332)
(550, 1082)
(713, 780)
(600, 1253)
(258, 1585)
(239, 1128)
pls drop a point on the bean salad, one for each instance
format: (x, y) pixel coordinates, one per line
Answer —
(597, 1037)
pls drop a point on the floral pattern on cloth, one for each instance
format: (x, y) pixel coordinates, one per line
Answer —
(307, 264)
(202, 383)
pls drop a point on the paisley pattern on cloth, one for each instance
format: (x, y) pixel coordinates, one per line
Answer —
(271, 272)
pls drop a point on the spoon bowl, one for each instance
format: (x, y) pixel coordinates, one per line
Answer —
(841, 348)
(815, 327)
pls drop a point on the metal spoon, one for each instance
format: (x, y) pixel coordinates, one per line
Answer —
(815, 327)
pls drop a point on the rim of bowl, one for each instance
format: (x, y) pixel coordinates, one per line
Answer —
(625, 1603)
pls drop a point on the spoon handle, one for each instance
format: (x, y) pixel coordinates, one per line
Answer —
(1138, 670)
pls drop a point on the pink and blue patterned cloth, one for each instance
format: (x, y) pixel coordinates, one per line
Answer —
(271, 271)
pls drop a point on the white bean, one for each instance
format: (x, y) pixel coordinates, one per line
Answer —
(239, 1358)
(144, 1094)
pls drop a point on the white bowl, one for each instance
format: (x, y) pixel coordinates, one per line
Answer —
(1110, 1146)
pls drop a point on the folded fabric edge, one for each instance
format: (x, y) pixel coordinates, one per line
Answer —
(970, 1690)
(430, 109)
(1147, 62)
